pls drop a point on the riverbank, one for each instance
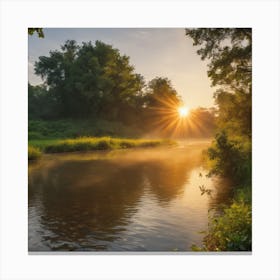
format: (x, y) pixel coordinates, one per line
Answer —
(230, 228)
(37, 147)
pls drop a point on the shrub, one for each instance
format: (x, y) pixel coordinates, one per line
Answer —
(230, 230)
(231, 158)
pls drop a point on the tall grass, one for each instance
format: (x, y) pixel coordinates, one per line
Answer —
(33, 153)
(96, 143)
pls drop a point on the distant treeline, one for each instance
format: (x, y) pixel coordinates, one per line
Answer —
(95, 82)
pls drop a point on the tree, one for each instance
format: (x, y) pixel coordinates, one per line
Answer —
(92, 81)
(39, 32)
(41, 104)
(160, 106)
(161, 94)
(229, 51)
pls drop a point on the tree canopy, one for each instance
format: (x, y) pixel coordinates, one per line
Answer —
(39, 32)
(94, 81)
(90, 80)
(229, 52)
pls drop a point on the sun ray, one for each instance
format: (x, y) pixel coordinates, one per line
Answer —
(173, 119)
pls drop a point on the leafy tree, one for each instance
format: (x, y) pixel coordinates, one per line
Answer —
(229, 51)
(160, 103)
(41, 104)
(232, 158)
(159, 92)
(39, 32)
(161, 96)
(92, 80)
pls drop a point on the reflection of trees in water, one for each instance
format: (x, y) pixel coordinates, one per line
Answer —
(86, 204)
(81, 199)
(223, 193)
(167, 178)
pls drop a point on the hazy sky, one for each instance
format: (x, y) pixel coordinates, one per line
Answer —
(164, 52)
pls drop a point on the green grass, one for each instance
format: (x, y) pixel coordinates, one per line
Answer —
(33, 153)
(42, 144)
(85, 135)
(64, 129)
(95, 143)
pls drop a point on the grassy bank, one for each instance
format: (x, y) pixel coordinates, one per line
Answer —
(90, 144)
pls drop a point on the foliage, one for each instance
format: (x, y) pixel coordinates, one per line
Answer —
(41, 103)
(160, 100)
(93, 85)
(96, 143)
(229, 51)
(39, 32)
(235, 112)
(231, 158)
(73, 128)
(232, 230)
(33, 153)
(92, 80)
(160, 93)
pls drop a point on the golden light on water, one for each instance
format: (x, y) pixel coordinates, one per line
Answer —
(183, 111)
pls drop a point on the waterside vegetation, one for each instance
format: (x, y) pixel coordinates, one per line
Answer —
(36, 147)
(229, 51)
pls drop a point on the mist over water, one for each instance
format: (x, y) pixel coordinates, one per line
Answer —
(123, 200)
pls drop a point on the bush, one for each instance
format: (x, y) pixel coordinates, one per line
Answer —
(230, 230)
(231, 158)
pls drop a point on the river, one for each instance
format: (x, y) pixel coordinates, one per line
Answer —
(123, 200)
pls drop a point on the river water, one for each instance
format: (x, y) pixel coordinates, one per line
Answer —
(125, 200)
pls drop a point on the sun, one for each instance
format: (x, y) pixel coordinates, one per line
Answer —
(183, 111)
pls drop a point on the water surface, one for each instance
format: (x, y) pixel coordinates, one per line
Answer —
(126, 200)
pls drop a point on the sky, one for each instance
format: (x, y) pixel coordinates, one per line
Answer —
(154, 52)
